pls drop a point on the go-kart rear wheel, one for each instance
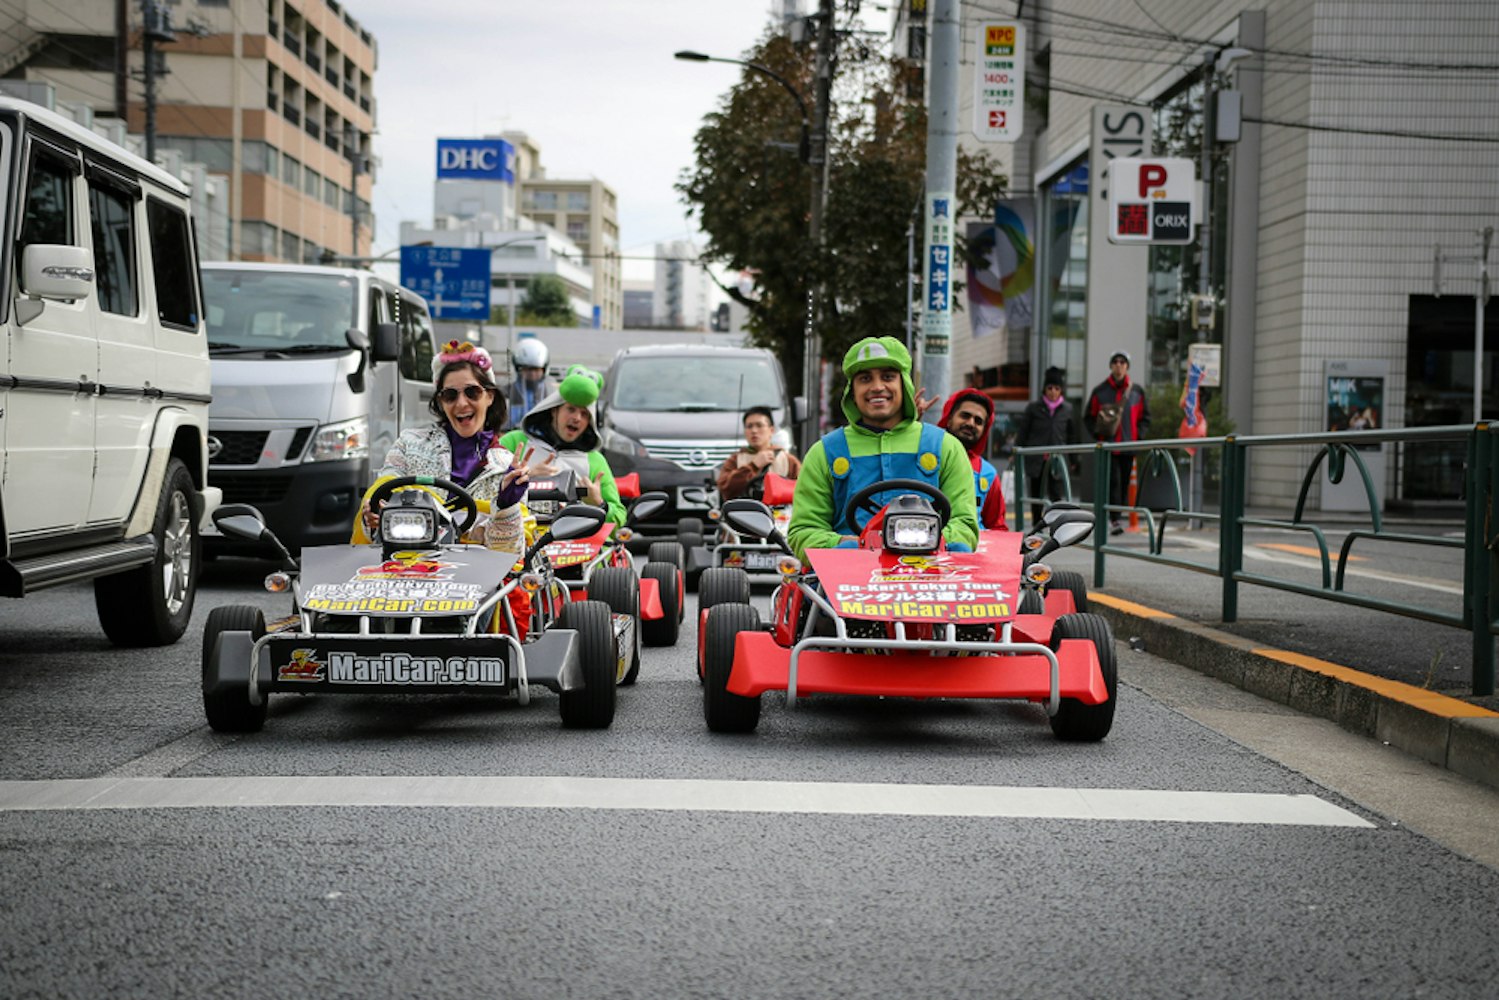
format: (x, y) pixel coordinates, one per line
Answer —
(724, 711)
(1074, 720)
(667, 552)
(1068, 579)
(1031, 602)
(689, 526)
(722, 585)
(663, 631)
(592, 705)
(228, 708)
(620, 589)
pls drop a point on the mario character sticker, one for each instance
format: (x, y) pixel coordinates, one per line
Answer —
(409, 566)
(302, 667)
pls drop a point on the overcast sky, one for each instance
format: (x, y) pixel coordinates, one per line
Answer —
(592, 81)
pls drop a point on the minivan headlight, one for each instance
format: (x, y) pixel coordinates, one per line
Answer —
(343, 440)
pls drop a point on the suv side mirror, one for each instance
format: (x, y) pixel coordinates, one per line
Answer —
(387, 342)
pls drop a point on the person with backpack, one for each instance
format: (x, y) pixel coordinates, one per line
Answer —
(1117, 411)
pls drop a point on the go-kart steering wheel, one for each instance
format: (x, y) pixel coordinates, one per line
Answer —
(459, 499)
(863, 501)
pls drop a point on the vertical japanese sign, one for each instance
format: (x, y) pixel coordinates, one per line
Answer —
(999, 82)
(936, 313)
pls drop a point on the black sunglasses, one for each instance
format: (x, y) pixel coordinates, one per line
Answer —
(473, 393)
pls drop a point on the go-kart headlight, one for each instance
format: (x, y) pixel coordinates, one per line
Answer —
(544, 510)
(340, 441)
(912, 532)
(408, 526)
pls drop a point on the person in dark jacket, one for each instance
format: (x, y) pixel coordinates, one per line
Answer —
(1045, 422)
(1117, 411)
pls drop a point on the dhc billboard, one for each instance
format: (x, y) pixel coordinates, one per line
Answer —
(475, 160)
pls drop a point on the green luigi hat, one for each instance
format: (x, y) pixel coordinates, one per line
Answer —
(879, 352)
(581, 386)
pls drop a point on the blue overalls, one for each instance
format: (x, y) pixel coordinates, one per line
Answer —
(851, 474)
(984, 480)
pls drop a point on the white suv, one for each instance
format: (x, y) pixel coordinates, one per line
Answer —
(104, 394)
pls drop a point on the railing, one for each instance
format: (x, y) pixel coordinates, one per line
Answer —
(1479, 542)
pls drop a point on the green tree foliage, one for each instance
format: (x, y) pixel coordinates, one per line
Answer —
(546, 303)
(752, 196)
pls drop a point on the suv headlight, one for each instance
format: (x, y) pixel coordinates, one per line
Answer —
(413, 526)
(912, 532)
(625, 445)
(343, 440)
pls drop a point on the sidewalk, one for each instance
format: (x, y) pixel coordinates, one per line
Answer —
(1403, 681)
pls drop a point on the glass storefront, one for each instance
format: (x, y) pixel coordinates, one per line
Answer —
(1064, 260)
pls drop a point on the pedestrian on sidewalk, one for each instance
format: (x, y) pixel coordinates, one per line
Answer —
(1046, 422)
(1117, 411)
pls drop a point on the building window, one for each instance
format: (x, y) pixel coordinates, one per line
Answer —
(543, 201)
(291, 171)
(577, 201)
(332, 196)
(291, 247)
(312, 183)
(257, 238)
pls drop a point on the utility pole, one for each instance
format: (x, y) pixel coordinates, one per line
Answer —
(941, 199)
(818, 161)
(156, 27)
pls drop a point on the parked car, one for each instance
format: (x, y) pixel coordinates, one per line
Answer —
(673, 413)
(315, 370)
(106, 388)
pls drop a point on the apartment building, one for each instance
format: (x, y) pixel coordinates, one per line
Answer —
(586, 212)
(274, 96)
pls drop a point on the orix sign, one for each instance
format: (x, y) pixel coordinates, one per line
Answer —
(1152, 200)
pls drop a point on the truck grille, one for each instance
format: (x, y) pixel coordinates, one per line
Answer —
(692, 454)
(251, 487)
(238, 447)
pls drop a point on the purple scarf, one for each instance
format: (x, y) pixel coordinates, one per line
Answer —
(468, 454)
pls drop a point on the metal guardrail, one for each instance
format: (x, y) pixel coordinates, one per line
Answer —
(1480, 531)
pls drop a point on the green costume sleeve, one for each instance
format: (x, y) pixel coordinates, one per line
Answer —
(956, 480)
(513, 441)
(599, 472)
(812, 506)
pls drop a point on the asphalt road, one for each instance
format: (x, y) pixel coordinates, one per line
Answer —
(849, 848)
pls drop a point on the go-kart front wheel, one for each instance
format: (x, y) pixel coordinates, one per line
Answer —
(663, 631)
(619, 588)
(592, 705)
(227, 706)
(1076, 721)
(724, 711)
(1071, 580)
(667, 552)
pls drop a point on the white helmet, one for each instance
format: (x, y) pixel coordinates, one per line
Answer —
(531, 353)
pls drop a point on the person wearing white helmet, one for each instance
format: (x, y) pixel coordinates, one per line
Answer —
(530, 385)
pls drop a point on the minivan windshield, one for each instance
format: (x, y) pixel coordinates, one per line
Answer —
(694, 383)
(252, 311)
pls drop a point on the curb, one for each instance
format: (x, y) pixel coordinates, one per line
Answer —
(1445, 731)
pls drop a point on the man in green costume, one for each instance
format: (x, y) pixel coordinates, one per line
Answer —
(560, 432)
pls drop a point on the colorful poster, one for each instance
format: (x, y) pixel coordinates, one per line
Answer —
(1355, 403)
(1001, 294)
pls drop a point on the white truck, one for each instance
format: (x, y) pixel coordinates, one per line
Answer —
(104, 389)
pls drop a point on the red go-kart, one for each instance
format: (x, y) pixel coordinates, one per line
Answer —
(901, 616)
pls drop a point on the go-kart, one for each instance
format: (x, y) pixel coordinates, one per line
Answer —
(418, 611)
(901, 616)
(755, 556)
(600, 567)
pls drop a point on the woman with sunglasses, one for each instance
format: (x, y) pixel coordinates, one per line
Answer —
(463, 445)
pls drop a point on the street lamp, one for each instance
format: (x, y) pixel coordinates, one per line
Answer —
(804, 148)
(510, 285)
(812, 360)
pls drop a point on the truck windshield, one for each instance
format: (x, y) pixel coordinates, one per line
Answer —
(693, 383)
(277, 311)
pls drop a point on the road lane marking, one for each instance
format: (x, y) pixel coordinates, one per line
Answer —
(688, 795)
(1301, 550)
(1250, 552)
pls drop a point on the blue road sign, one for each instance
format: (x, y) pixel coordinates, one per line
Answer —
(453, 280)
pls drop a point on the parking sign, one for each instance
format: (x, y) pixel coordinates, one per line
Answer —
(1152, 200)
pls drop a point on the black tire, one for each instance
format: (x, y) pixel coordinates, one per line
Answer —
(667, 552)
(620, 589)
(1031, 602)
(689, 526)
(1067, 579)
(721, 585)
(1075, 721)
(663, 631)
(151, 605)
(723, 711)
(592, 705)
(231, 711)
